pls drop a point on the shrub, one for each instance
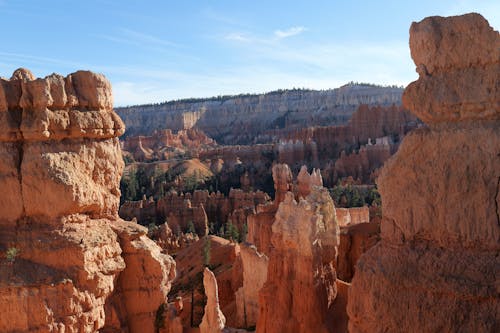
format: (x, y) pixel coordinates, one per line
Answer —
(11, 254)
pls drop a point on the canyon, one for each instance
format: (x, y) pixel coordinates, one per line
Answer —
(258, 213)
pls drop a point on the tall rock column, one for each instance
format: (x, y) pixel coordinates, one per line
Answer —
(300, 288)
(60, 168)
(437, 266)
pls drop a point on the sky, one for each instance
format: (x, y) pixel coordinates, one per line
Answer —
(154, 51)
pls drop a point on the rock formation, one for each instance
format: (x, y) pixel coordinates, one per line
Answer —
(170, 321)
(254, 271)
(164, 144)
(436, 267)
(223, 256)
(355, 239)
(239, 119)
(259, 225)
(69, 263)
(361, 164)
(351, 216)
(213, 320)
(300, 288)
(201, 208)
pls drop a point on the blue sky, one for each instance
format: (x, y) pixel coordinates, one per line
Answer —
(154, 51)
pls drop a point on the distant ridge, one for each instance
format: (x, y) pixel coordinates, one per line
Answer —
(273, 92)
(238, 119)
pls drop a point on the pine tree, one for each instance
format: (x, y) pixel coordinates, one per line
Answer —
(206, 252)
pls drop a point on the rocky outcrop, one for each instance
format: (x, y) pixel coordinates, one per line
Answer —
(355, 239)
(361, 164)
(300, 288)
(259, 224)
(65, 249)
(351, 216)
(239, 119)
(254, 270)
(368, 121)
(223, 256)
(213, 320)
(436, 267)
(169, 319)
(356, 149)
(200, 208)
(164, 144)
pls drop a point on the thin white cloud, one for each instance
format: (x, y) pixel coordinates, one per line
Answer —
(293, 31)
(271, 40)
(236, 36)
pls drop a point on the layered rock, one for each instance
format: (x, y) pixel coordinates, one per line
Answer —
(60, 170)
(437, 264)
(259, 224)
(239, 119)
(352, 216)
(201, 208)
(164, 144)
(254, 267)
(355, 239)
(300, 288)
(143, 286)
(360, 165)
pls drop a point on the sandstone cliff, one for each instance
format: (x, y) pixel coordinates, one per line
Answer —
(436, 268)
(238, 119)
(69, 263)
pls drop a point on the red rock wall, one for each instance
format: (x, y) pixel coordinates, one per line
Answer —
(60, 169)
(436, 267)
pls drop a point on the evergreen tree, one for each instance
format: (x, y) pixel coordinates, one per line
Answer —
(206, 252)
(190, 228)
(231, 231)
(244, 233)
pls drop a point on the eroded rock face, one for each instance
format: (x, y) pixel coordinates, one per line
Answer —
(454, 85)
(259, 225)
(59, 173)
(256, 114)
(254, 266)
(300, 288)
(435, 268)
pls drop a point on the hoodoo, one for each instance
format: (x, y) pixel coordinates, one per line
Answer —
(71, 264)
(436, 268)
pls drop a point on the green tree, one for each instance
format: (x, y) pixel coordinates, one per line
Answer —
(206, 252)
(221, 232)
(129, 187)
(211, 228)
(231, 231)
(243, 233)
(11, 254)
(190, 228)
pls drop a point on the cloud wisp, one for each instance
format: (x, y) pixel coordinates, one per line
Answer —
(272, 39)
(292, 31)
